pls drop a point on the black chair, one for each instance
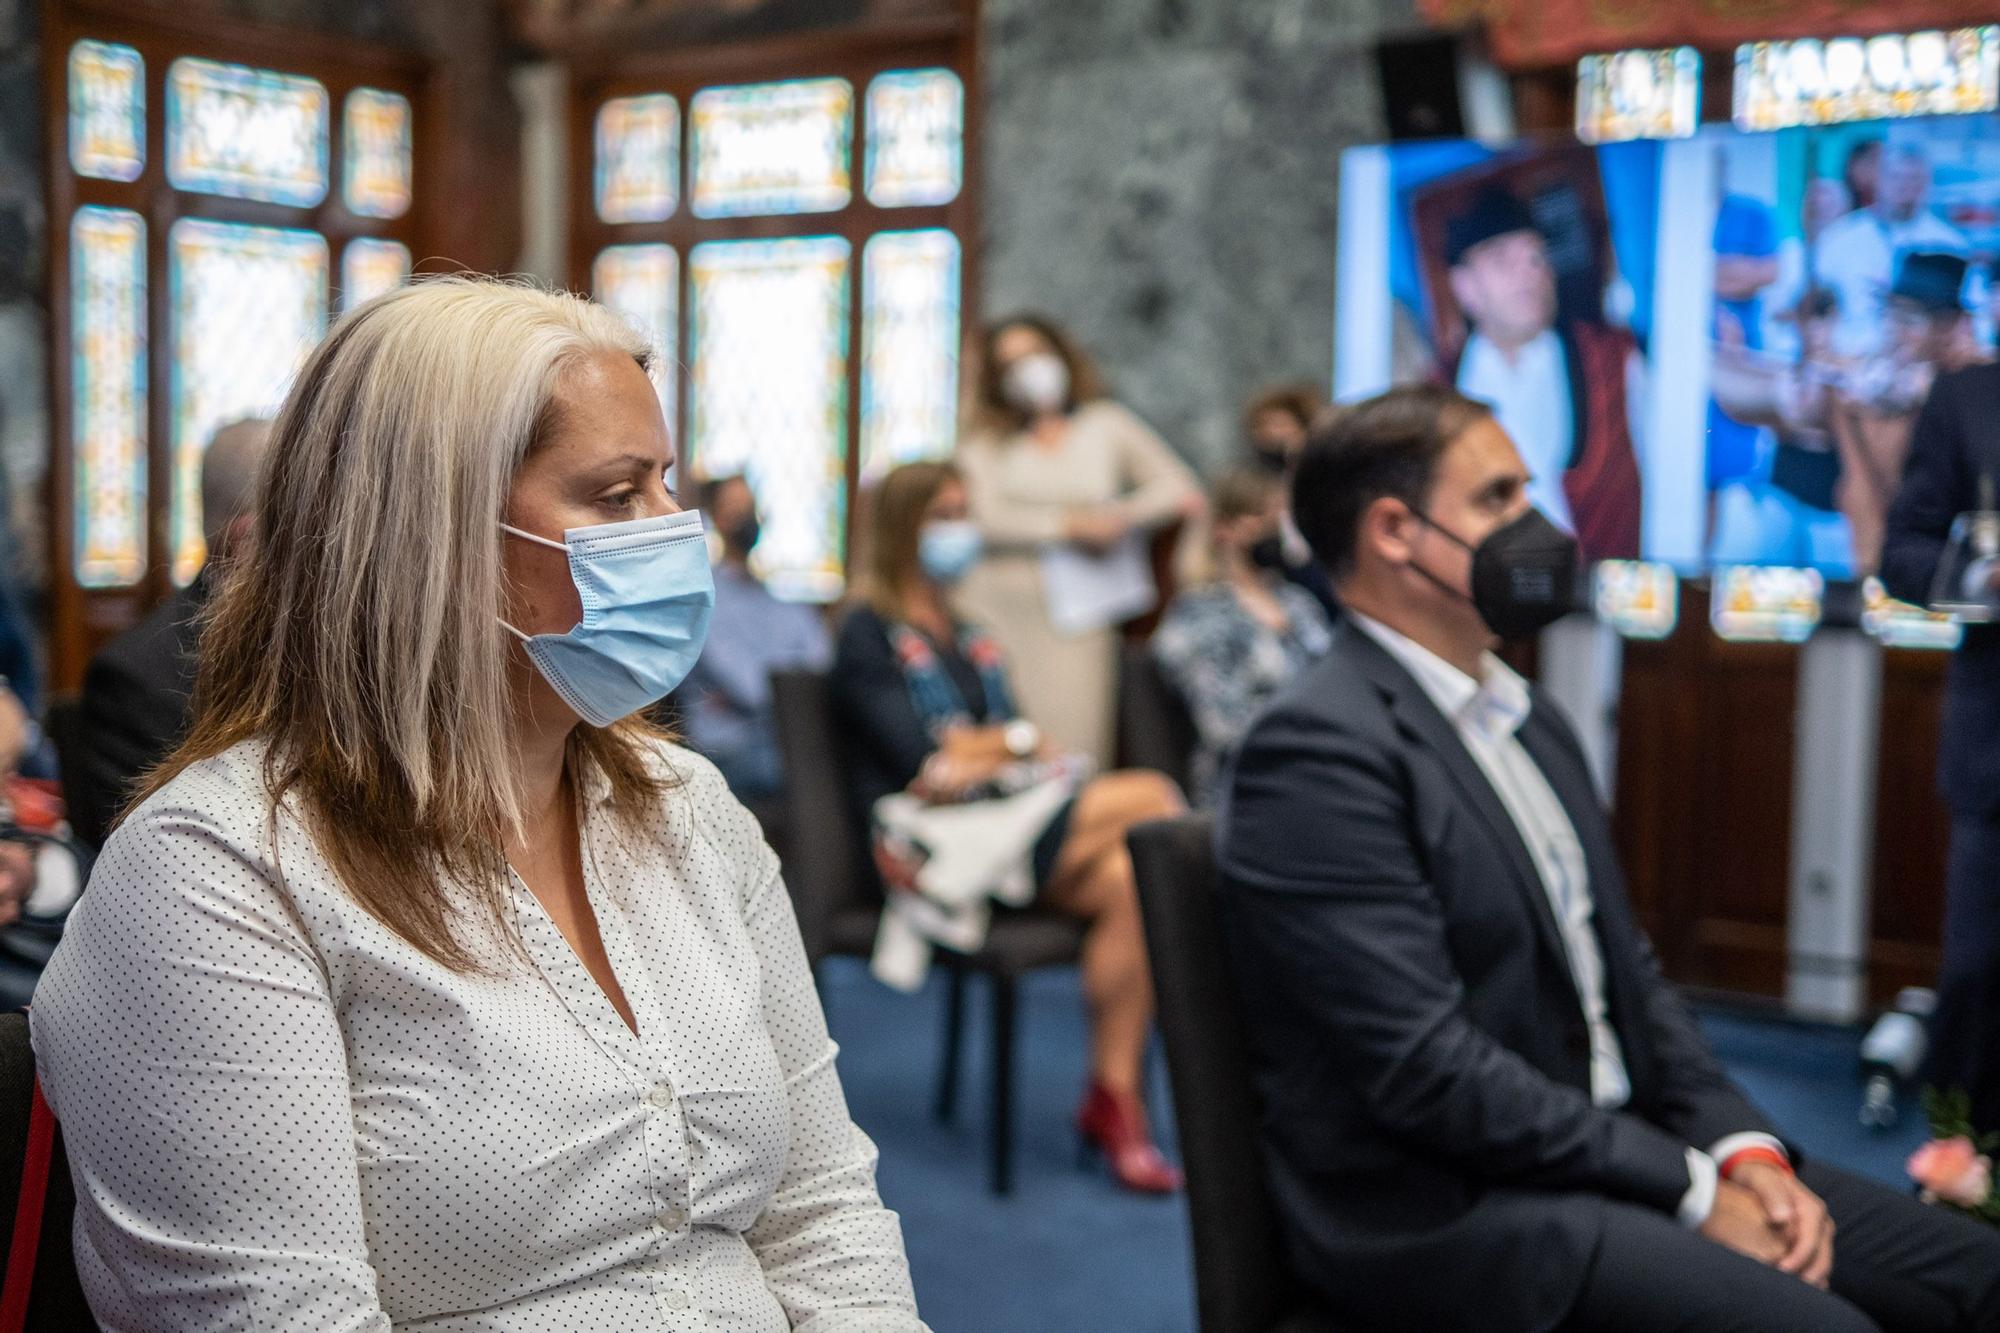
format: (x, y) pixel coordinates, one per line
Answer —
(40, 1288)
(1242, 1283)
(838, 899)
(1155, 729)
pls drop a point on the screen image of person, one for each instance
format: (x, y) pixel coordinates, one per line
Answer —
(1571, 392)
(1468, 1059)
(1856, 255)
(428, 984)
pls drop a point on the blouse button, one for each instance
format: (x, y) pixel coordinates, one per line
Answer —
(660, 1098)
(670, 1218)
(676, 1300)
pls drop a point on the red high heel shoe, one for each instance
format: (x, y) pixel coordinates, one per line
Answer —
(1116, 1127)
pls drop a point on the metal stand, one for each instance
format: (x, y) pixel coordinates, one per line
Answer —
(1833, 825)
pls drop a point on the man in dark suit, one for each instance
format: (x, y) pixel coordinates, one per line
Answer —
(1484, 1109)
(136, 689)
(1954, 451)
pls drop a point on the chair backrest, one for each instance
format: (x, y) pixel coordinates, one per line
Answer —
(1242, 1282)
(1155, 729)
(827, 875)
(37, 1201)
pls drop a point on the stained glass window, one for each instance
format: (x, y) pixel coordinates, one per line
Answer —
(247, 133)
(369, 267)
(909, 348)
(772, 147)
(375, 153)
(768, 338)
(638, 159)
(641, 282)
(107, 111)
(248, 304)
(108, 388)
(916, 137)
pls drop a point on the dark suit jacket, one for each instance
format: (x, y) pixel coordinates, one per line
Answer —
(134, 707)
(1421, 1054)
(1957, 441)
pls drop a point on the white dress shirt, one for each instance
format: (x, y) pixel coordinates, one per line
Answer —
(1486, 714)
(297, 1121)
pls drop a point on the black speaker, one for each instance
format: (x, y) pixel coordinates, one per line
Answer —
(1420, 86)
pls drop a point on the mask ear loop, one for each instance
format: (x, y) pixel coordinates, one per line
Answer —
(539, 541)
(1449, 536)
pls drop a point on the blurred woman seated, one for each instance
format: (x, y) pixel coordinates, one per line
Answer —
(428, 985)
(925, 703)
(1230, 646)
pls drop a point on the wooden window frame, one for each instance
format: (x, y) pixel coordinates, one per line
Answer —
(857, 56)
(84, 618)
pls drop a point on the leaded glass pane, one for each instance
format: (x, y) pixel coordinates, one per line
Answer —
(638, 159)
(108, 394)
(369, 268)
(375, 153)
(773, 148)
(642, 283)
(916, 137)
(107, 111)
(248, 304)
(247, 133)
(909, 348)
(768, 338)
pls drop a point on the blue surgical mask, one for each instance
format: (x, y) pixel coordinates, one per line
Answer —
(948, 548)
(647, 596)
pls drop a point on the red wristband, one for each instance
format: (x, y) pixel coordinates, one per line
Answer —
(1754, 1153)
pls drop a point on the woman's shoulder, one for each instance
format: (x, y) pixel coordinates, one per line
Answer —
(860, 629)
(228, 793)
(1112, 417)
(206, 836)
(1201, 604)
(701, 803)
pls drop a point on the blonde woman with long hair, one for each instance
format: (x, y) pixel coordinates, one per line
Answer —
(425, 985)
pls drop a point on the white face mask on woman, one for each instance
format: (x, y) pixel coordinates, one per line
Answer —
(1038, 382)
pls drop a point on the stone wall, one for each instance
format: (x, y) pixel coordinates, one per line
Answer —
(1160, 177)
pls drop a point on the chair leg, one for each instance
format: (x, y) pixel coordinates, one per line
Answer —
(1003, 1084)
(944, 1102)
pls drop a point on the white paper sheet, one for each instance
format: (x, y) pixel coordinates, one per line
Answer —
(1087, 592)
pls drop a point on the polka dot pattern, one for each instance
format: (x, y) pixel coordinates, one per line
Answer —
(307, 1124)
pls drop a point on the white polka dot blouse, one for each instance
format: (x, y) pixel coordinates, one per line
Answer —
(301, 1122)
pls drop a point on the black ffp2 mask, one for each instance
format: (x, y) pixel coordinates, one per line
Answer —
(1523, 574)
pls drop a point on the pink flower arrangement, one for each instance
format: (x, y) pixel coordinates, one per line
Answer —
(1953, 1171)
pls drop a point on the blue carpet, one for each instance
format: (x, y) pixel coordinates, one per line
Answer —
(1069, 1251)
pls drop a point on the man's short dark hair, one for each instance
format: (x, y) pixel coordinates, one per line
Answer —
(1387, 446)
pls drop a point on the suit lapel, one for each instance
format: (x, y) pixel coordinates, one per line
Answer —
(1569, 777)
(1420, 720)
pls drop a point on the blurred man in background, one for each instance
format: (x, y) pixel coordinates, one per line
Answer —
(136, 689)
(726, 700)
(1954, 466)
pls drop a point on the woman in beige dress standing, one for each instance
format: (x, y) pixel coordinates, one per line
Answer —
(1051, 462)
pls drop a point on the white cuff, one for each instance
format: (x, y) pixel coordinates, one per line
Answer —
(1699, 1201)
(1728, 1146)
